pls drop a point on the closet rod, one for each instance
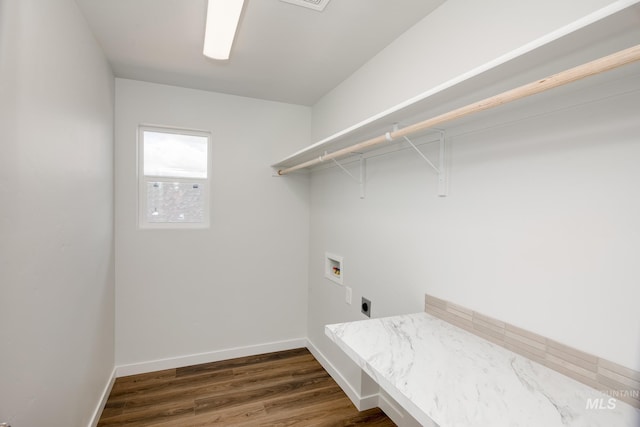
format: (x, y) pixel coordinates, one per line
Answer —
(606, 63)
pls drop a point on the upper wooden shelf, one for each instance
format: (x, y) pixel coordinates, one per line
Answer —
(602, 33)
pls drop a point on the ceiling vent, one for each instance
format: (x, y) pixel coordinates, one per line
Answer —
(318, 5)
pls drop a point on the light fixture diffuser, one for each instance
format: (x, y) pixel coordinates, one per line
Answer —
(318, 5)
(222, 23)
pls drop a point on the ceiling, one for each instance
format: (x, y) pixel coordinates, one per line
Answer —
(282, 52)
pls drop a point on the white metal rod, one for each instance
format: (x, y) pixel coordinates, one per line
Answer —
(363, 177)
(606, 63)
(442, 173)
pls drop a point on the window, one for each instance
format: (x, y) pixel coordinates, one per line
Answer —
(173, 178)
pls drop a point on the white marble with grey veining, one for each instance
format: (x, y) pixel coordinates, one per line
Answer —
(442, 374)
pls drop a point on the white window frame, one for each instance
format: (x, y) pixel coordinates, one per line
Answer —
(143, 180)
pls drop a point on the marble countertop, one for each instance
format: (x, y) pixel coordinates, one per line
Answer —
(445, 375)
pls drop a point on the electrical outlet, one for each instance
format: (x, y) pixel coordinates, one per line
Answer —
(365, 307)
(348, 294)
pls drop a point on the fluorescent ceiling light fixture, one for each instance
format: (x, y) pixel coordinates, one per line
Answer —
(222, 22)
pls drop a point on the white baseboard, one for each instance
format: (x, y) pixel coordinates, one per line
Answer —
(103, 400)
(361, 402)
(214, 356)
(397, 415)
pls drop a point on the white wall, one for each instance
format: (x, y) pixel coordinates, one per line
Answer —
(457, 37)
(56, 216)
(540, 228)
(243, 282)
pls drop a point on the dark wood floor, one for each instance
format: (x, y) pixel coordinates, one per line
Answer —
(287, 388)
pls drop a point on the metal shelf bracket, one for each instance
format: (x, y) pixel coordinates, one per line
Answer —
(441, 168)
(363, 171)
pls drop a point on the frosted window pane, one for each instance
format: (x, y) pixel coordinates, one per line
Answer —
(175, 155)
(177, 202)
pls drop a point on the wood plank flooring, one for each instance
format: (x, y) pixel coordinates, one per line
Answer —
(287, 388)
